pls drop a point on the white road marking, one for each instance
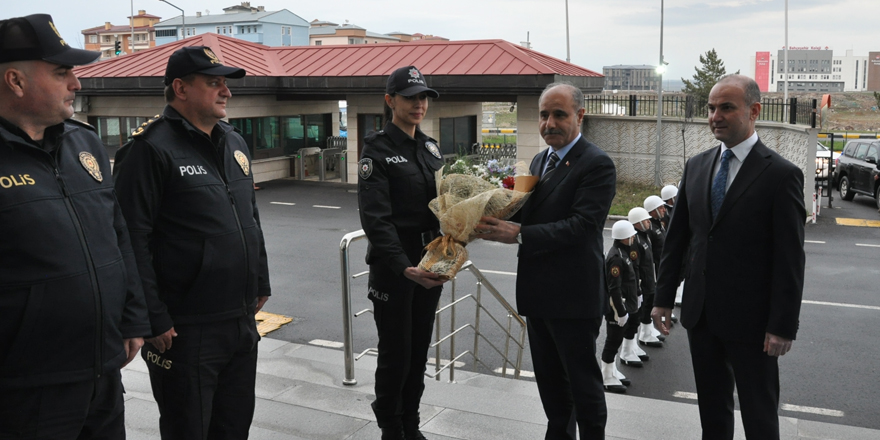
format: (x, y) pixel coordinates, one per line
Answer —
(868, 245)
(282, 203)
(852, 306)
(328, 344)
(498, 272)
(812, 410)
(784, 406)
(814, 242)
(522, 373)
(326, 207)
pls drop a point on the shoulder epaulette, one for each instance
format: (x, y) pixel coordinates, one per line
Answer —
(374, 134)
(82, 124)
(145, 126)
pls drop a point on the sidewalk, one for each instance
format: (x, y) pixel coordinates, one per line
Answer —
(300, 396)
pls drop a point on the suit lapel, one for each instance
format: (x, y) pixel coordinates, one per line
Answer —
(755, 164)
(703, 181)
(563, 167)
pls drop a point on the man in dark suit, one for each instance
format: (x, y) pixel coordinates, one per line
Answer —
(560, 284)
(740, 207)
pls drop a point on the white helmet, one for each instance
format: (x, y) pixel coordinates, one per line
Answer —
(622, 229)
(668, 192)
(638, 214)
(653, 202)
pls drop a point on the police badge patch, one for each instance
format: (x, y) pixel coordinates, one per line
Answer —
(615, 271)
(365, 168)
(432, 147)
(91, 165)
(633, 255)
(242, 162)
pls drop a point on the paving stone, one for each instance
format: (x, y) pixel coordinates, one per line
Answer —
(301, 422)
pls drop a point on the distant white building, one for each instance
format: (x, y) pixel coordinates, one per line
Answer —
(254, 24)
(816, 69)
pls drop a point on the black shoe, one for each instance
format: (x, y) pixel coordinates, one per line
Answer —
(637, 364)
(619, 389)
(654, 344)
(625, 382)
(393, 433)
(413, 435)
(645, 357)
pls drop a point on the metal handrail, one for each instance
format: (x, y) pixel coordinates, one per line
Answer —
(481, 281)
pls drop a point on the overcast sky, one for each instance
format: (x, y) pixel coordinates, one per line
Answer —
(603, 32)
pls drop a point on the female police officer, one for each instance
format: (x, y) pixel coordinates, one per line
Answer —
(395, 184)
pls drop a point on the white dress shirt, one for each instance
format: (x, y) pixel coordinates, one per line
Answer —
(740, 151)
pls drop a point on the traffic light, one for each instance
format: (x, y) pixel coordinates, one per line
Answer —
(118, 47)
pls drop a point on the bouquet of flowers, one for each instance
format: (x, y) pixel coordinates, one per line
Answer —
(465, 194)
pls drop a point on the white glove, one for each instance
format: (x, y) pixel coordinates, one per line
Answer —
(639, 303)
(622, 320)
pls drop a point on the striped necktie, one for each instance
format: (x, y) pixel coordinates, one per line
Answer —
(550, 165)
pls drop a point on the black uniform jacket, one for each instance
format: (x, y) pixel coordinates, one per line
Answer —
(560, 272)
(644, 254)
(395, 184)
(745, 269)
(191, 210)
(69, 290)
(622, 282)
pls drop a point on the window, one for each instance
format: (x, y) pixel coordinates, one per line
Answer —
(457, 135)
(317, 42)
(276, 136)
(166, 33)
(190, 32)
(860, 152)
(106, 39)
(114, 131)
(93, 39)
(872, 152)
(285, 30)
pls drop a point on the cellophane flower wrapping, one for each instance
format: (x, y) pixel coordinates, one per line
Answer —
(461, 201)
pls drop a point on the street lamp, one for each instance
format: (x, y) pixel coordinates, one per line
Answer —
(661, 68)
(182, 17)
(567, 45)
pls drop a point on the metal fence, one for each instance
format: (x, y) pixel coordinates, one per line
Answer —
(801, 112)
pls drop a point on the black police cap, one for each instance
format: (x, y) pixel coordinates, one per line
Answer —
(408, 81)
(35, 37)
(198, 59)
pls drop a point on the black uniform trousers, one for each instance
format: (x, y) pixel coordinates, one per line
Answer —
(71, 411)
(404, 315)
(614, 335)
(204, 384)
(718, 364)
(568, 376)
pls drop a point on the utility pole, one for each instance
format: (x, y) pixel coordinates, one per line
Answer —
(660, 69)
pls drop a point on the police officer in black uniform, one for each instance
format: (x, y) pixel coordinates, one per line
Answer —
(186, 188)
(395, 184)
(72, 310)
(656, 207)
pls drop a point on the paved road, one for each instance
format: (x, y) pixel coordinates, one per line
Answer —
(830, 375)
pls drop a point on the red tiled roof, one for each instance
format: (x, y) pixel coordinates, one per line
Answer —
(477, 57)
(113, 29)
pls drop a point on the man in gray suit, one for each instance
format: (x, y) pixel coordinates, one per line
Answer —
(738, 226)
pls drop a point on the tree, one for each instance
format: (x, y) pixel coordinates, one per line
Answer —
(705, 78)
(877, 98)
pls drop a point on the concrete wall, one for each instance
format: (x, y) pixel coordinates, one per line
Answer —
(244, 106)
(631, 142)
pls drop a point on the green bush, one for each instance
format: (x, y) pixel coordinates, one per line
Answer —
(629, 195)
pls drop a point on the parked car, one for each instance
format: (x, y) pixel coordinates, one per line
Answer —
(857, 171)
(823, 161)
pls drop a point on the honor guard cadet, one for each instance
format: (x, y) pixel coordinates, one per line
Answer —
(187, 191)
(660, 221)
(72, 309)
(395, 184)
(668, 194)
(622, 284)
(641, 221)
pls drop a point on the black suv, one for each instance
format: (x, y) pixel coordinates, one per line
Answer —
(856, 171)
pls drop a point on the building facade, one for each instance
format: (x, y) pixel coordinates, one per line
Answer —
(325, 33)
(816, 69)
(138, 35)
(254, 24)
(630, 77)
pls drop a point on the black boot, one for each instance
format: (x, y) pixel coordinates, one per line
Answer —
(413, 434)
(392, 433)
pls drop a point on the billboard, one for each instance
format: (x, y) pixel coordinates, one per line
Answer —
(762, 70)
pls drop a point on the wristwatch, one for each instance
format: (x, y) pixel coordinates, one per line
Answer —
(519, 238)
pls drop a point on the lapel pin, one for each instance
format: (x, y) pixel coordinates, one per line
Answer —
(566, 163)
